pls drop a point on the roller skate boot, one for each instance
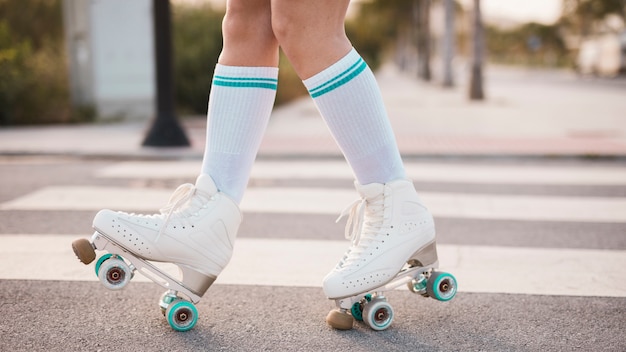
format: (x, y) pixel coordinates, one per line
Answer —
(195, 231)
(392, 244)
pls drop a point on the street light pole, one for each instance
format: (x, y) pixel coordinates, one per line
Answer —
(165, 130)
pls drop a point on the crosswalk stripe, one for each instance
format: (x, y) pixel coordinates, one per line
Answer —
(303, 263)
(417, 171)
(331, 201)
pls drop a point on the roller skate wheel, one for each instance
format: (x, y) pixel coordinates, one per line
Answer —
(441, 286)
(114, 273)
(84, 250)
(357, 307)
(100, 261)
(378, 314)
(339, 319)
(181, 315)
(357, 311)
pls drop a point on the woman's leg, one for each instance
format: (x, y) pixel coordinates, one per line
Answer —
(311, 33)
(198, 227)
(389, 226)
(242, 95)
(248, 36)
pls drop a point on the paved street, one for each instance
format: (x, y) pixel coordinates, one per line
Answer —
(528, 190)
(540, 258)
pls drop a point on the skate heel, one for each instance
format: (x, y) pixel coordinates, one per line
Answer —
(196, 281)
(425, 256)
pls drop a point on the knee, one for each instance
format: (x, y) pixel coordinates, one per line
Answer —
(288, 30)
(245, 22)
(299, 31)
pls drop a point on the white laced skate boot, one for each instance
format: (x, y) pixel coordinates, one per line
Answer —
(196, 231)
(393, 244)
(388, 227)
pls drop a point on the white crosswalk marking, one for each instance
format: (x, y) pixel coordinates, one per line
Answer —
(303, 263)
(417, 171)
(291, 262)
(332, 201)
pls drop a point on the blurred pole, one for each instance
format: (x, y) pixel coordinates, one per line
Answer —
(476, 79)
(421, 11)
(448, 44)
(165, 130)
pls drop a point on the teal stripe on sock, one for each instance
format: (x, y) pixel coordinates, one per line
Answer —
(330, 81)
(246, 82)
(247, 79)
(339, 80)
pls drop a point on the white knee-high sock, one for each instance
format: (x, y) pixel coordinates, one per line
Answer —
(240, 105)
(348, 97)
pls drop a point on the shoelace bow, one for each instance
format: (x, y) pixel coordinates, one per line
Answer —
(365, 221)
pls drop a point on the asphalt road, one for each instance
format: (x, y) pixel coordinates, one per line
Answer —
(56, 314)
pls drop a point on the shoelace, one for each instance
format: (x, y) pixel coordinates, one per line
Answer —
(365, 221)
(184, 194)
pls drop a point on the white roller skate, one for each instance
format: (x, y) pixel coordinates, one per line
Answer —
(393, 244)
(195, 231)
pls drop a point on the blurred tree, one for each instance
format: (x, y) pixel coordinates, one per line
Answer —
(376, 25)
(38, 21)
(404, 27)
(448, 43)
(421, 26)
(381, 25)
(530, 44)
(581, 15)
(33, 71)
(476, 91)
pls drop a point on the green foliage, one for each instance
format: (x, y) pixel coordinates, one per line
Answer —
(197, 41)
(531, 44)
(594, 9)
(375, 26)
(38, 21)
(580, 16)
(197, 36)
(290, 86)
(33, 71)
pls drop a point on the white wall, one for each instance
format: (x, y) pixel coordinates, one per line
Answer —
(115, 47)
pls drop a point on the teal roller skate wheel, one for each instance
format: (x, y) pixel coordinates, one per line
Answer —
(181, 315)
(357, 311)
(102, 260)
(357, 307)
(441, 286)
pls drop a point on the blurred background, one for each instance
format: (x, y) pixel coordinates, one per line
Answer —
(75, 61)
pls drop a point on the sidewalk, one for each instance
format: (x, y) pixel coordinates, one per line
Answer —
(527, 113)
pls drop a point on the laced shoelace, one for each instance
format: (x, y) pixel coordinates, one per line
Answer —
(183, 195)
(365, 221)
